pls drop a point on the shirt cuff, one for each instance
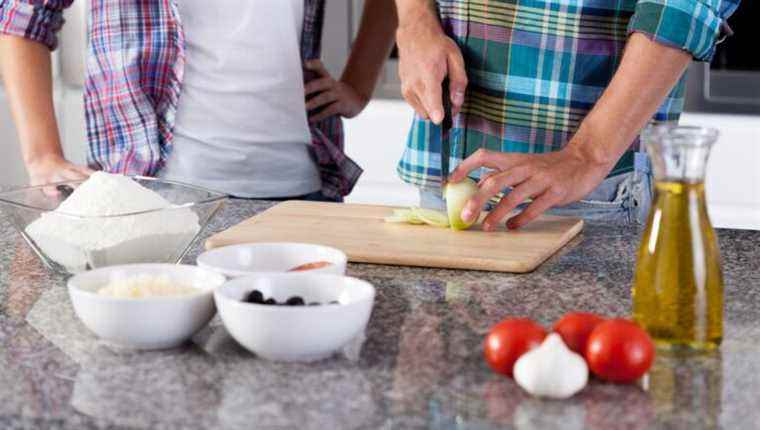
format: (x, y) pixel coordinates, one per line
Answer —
(34, 22)
(690, 25)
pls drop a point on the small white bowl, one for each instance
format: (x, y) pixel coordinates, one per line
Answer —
(295, 333)
(146, 323)
(251, 258)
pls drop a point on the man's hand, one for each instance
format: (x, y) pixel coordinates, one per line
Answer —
(333, 96)
(551, 179)
(426, 57)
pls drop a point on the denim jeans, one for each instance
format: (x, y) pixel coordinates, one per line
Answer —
(620, 199)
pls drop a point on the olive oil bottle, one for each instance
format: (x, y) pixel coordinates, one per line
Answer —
(678, 284)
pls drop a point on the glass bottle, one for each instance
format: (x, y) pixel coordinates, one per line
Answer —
(678, 284)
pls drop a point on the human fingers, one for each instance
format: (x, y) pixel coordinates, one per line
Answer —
(318, 85)
(489, 188)
(415, 103)
(317, 66)
(537, 207)
(457, 81)
(327, 112)
(430, 94)
(518, 195)
(484, 158)
(322, 99)
(83, 171)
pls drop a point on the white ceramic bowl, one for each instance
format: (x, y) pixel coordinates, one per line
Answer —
(147, 323)
(248, 259)
(295, 333)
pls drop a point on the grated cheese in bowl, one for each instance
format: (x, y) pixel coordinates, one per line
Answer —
(145, 286)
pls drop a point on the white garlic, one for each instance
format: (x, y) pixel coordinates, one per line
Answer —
(551, 370)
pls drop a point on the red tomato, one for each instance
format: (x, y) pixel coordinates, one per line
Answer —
(510, 339)
(575, 327)
(618, 350)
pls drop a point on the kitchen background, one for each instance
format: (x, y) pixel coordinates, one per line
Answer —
(724, 95)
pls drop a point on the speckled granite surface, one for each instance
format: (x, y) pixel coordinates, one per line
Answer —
(420, 366)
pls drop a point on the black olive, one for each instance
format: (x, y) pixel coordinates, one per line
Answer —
(255, 296)
(295, 301)
(270, 301)
(314, 303)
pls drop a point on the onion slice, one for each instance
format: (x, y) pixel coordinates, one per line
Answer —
(457, 194)
(431, 217)
(403, 216)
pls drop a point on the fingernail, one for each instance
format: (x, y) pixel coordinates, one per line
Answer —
(467, 214)
(487, 227)
(436, 116)
(458, 98)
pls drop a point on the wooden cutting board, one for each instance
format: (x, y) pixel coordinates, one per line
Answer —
(359, 230)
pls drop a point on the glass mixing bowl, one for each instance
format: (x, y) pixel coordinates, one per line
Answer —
(87, 242)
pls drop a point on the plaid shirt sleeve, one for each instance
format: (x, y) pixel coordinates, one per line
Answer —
(37, 20)
(691, 25)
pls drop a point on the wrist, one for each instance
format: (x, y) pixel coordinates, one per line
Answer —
(595, 145)
(420, 18)
(363, 92)
(37, 158)
(40, 146)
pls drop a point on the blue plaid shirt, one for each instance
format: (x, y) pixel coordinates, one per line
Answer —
(536, 68)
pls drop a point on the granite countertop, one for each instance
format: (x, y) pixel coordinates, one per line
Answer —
(420, 365)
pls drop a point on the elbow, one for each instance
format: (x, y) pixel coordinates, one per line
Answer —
(696, 32)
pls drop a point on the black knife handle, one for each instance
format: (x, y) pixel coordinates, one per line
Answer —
(448, 119)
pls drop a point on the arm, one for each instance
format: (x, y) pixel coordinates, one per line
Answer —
(27, 33)
(646, 74)
(26, 71)
(663, 40)
(348, 96)
(426, 57)
(372, 46)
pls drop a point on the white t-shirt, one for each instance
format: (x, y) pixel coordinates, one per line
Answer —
(241, 125)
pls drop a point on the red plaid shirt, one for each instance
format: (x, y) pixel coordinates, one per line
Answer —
(136, 58)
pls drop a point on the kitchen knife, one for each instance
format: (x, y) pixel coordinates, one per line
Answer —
(446, 125)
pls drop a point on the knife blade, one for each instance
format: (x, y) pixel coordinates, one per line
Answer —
(446, 125)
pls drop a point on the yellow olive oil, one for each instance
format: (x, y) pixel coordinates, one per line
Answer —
(678, 285)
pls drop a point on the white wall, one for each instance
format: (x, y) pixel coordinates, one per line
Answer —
(375, 139)
(733, 170)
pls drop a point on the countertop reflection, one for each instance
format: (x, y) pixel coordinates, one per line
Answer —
(419, 364)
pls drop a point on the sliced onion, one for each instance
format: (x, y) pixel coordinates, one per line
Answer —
(457, 194)
(404, 216)
(395, 219)
(431, 217)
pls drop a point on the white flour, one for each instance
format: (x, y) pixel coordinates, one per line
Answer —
(77, 243)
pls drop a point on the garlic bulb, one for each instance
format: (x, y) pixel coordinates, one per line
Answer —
(551, 370)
